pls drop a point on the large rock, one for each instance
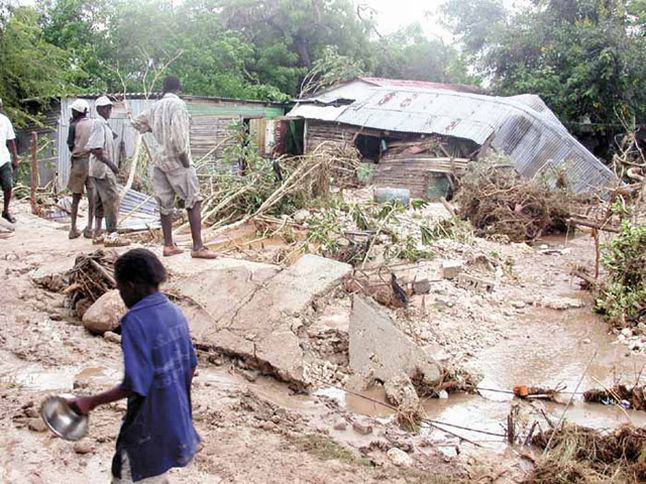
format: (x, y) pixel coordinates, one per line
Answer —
(379, 350)
(105, 314)
(247, 309)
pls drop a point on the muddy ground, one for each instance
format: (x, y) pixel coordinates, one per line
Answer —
(536, 328)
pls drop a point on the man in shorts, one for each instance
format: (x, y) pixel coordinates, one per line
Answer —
(157, 433)
(77, 138)
(103, 172)
(174, 173)
(8, 162)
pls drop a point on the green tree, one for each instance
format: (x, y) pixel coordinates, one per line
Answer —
(289, 35)
(31, 67)
(409, 54)
(583, 57)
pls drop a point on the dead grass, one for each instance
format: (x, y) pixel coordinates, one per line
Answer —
(498, 201)
(583, 455)
(326, 448)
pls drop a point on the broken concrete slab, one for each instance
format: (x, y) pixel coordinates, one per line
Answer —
(380, 350)
(246, 309)
(452, 268)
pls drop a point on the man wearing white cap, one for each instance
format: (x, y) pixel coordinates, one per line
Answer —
(77, 138)
(8, 162)
(104, 175)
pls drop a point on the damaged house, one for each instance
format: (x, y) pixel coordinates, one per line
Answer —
(418, 132)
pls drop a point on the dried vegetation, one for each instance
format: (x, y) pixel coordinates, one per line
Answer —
(498, 201)
(582, 455)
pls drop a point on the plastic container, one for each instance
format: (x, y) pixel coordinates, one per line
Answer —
(384, 195)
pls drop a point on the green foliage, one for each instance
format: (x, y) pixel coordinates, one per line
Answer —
(409, 54)
(31, 67)
(584, 57)
(233, 48)
(453, 228)
(623, 299)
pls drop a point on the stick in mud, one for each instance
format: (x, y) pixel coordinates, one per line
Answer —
(567, 407)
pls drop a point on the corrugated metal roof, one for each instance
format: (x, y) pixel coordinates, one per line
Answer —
(520, 126)
(141, 211)
(383, 82)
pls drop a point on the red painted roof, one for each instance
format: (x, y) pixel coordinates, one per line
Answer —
(383, 82)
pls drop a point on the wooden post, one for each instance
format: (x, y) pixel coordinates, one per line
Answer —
(35, 175)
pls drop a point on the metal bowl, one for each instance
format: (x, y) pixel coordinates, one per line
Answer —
(63, 420)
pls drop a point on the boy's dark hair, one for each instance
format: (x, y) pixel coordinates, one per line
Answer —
(171, 84)
(140, 266)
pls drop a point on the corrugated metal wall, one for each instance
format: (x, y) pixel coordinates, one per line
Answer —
(210, 120)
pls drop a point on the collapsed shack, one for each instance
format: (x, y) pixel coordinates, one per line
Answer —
(390, 121)
(580, 455)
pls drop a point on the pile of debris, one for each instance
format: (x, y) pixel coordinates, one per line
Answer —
(278, 187)
(634, 398)
(499, 201)
(581, 454)
(90, 278)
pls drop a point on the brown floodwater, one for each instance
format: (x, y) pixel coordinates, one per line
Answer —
(549, 348)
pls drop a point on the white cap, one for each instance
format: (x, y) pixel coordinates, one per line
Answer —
(103, 101)
(80, 106)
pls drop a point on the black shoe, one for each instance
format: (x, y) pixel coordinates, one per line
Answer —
(8, 217)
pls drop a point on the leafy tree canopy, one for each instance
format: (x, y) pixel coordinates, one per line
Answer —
(583, 57)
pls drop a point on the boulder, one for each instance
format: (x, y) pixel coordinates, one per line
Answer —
(105, 314)
(399, 457)
(379, 349)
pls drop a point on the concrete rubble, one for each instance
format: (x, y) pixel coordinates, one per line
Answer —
(401, 393)
(246, 309)
(380, 351)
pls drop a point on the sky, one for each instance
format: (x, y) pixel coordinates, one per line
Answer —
(394, 14)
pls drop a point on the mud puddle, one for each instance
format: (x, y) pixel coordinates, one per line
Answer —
(549, 348)
(37, 377)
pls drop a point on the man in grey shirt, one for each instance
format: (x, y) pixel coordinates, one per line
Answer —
(173, 172)
(104, 172)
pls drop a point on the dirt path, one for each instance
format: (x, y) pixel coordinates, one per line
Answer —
(255, 429)
(252, 432)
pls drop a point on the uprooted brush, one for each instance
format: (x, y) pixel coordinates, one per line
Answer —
(581, 455)
(90, 278)
(634, 397)
(498, 201)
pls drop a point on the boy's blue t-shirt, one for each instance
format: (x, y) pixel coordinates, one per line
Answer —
(157, 432)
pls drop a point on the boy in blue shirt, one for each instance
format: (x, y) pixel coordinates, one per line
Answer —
(157, 432)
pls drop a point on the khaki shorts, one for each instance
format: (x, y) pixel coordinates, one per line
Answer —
(181, 182)
(79, 175)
